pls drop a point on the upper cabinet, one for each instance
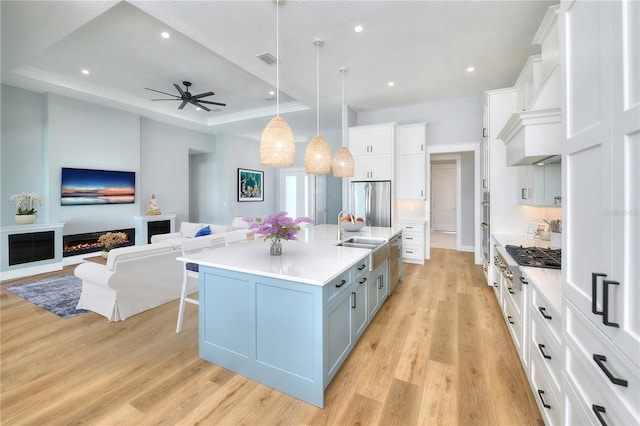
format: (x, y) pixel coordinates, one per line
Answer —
(372, 150)
(540, 185)
(534, 130)
(410, 146)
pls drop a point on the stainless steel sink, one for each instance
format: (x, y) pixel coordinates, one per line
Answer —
(379, 249)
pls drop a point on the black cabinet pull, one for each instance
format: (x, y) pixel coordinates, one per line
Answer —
(362, 267)
(541, 347)
(597, 409)
(511, 291)
(523, 281)
(594, 292)
(543, 311)
(509, 319)
(363, 280)
(605, 303)
(544, 404)
(343, 282)
(495, 285)
(599, 359)
(353, 305)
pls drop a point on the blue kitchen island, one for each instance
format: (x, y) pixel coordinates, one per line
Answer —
(288, 321)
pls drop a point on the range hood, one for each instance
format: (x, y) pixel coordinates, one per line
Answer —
(532, 136)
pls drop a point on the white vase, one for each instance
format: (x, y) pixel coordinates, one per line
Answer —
(556, 240)
(25, 219)
(105, 254)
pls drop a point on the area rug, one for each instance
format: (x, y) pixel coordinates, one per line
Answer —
(59, 295)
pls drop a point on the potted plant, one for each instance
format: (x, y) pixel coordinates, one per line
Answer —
(26, 204)
(111, 240)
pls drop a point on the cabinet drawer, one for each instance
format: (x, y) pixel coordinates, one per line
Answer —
(601, 359)
(360, 269)
(515, 295)
(548, 401)
(546, 350)
(412, 237)
(514, 324)
(336, 286)
(542, 309)
(575, 413)
(412, 252)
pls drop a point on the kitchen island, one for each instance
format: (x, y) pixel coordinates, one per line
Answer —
(289, 321)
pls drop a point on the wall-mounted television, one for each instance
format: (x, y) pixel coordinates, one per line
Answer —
(87, 186)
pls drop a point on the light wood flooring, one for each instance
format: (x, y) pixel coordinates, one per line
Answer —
(438, 353)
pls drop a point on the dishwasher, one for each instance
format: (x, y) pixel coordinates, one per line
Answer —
(395, 263)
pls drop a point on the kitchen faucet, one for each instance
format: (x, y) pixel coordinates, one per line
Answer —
(340, 227)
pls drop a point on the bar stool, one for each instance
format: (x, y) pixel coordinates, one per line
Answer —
(191, 246)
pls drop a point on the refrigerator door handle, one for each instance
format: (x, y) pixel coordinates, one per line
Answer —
(367, 204)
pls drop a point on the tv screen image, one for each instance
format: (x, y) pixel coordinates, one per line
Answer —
(87, 186)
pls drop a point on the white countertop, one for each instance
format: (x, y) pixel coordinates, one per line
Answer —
(313, 259)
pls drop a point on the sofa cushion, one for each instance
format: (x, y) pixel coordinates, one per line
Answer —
(219, 229)
(189, 229)
(132, 252)
(202, 232)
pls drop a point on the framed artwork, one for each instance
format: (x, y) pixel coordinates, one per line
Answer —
(534, 228)
(88, 186)
(250, 185)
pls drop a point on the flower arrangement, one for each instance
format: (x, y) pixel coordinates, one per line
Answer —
(277, 227)
(26, 203)
(110, 240)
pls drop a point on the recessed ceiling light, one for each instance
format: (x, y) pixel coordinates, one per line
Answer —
(358, 28)
(272, 92)
(85, 71)
(391, 84)
(470, 69)
(198, 109)
(165, 34)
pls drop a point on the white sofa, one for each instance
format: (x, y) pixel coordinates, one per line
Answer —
(138, 278)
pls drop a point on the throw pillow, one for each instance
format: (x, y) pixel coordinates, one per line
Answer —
(204, 231)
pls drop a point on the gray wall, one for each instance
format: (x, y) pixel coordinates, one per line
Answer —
(467, 201)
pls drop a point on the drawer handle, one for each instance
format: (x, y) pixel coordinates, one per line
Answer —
(605, 303)
(511, 291)
(343, 282)
(523, 281)
(409, 251)
(541, 347)
(362, 267)
(363, 280)
(353, 306)
(495, 285)
(408, 238)
(509, 319)
(599, 359)
(543, 311)
(544, 404)
(597, 409)
(594, 292)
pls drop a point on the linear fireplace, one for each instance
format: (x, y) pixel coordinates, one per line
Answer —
(76, 244)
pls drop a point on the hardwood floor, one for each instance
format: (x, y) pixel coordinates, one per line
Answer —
(437, 353)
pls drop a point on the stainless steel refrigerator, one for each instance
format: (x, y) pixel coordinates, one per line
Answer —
(371, 201)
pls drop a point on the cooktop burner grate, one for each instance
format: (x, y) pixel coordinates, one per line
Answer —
(536, 256)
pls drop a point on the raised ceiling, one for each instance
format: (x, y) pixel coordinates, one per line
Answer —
(424, 47)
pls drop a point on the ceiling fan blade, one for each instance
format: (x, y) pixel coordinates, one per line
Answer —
(164, 93)
(179, 90)
(212, 103)
(199, 105)
(203, 95)
(184, 102)
(176, 99)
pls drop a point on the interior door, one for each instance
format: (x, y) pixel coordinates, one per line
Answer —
(297, 193)
(443, 196)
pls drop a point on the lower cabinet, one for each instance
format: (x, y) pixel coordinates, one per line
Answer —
(412, 241)
(359, 307)
(338, 319)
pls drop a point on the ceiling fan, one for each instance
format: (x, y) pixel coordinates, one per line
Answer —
(187, 97)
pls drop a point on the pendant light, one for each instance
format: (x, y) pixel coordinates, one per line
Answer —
(277, 145)
(343, 160)
(317, 157)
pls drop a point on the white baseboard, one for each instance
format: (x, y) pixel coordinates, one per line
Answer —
(466, 248)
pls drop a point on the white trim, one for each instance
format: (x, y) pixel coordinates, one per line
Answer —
(452, 148)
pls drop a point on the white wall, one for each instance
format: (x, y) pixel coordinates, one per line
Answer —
(22, 160)
(467, 199)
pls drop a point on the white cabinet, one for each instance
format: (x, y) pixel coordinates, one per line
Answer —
(601, 282)
(372, 148)
(540, 185)
(526, 82)
(412, 241)
(410, 147)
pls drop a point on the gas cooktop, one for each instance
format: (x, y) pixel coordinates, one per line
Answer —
(536, 256)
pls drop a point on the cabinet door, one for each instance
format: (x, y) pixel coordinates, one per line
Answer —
(411, 177)
(359, 140)
(338, 339)
(600, 214)
(359, 307)
(411, 139)
(381, 139)
(372, 295)
(375, 167)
